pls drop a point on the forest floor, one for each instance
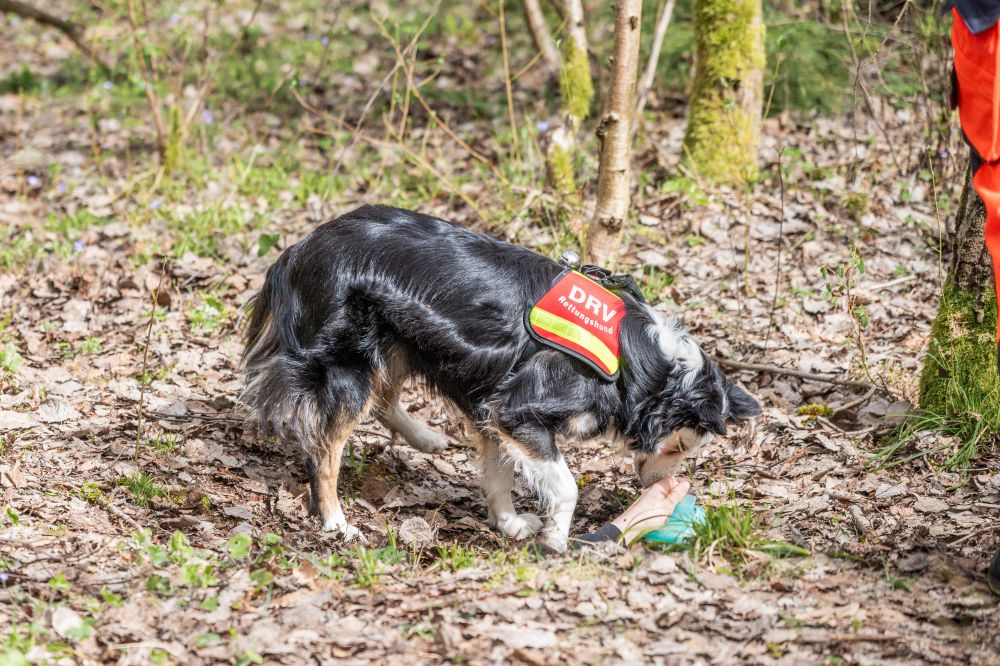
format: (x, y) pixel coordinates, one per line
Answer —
(196, 546)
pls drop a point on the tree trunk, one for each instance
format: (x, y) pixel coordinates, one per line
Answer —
(723, 130)
(577, 90)
(961, 360)
(615, 132)
(541, 36)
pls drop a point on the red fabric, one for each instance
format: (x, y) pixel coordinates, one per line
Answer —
(976, 59)
(578, 299)
(987, 184)
(977, 63)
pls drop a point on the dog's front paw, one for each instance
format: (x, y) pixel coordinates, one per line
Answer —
(555, 540)
(521, 526)
(346, 531)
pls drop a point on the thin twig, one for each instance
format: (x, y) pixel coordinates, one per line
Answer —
(971, 535)
(777, 266)
(145, 360)
(854, 403)
(778, 370)
(148, 80)
(414, 88)
(646, 83)
(542, 36)
(414, 157)
(506, 80)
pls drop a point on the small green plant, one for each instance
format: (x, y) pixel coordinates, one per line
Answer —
(10, 361)
(896, 582)
(165, 443)
(143, 488)
(89, 346)
(59, 583)
(454, 556)
(208, 316)
(841, 279)
(371, 562)
(91, 492)
(730, 531)
(814, 410)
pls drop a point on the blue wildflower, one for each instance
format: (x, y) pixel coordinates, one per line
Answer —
(174, 19)
(156, 203)
(542, 125)
(325, 40)
(34, 182)
(78, 246)
(207, 117)
(61, 186)
(107, 85)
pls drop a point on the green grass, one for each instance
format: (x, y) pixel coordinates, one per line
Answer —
(959, 389)
(165, 443)
(732, 532)
(10, 361)
(209, 316)
(968, 421)
(454, 556)
(143, 488)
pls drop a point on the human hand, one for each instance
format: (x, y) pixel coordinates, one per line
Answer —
(652, 509)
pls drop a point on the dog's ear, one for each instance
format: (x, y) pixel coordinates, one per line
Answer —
(714, 422)
(742, 405)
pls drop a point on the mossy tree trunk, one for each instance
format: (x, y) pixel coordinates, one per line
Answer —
(576, 87)
(723, 130)
(960, 369)
(604, 237)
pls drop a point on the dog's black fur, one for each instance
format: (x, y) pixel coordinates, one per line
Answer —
(382, 294)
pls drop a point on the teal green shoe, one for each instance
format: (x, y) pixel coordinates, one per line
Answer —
(680, 527)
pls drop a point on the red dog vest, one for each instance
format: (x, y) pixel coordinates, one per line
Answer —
(582, 318)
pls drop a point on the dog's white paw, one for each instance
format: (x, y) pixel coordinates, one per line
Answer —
(521, 526)
(347, 532)
(555, 540)
(428, 441)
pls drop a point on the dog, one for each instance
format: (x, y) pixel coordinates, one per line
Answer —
(381, 295)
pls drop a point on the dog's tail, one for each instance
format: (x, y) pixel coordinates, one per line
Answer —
(278, 400)
(272, 312)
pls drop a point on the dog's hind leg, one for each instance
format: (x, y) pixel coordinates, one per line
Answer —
(498, 481)
(324, 462)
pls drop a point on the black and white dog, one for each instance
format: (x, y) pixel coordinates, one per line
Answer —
(381, 294)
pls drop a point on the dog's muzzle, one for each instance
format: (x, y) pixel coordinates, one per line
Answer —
(651, 467)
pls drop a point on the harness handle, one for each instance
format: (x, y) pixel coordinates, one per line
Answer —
(602, 276)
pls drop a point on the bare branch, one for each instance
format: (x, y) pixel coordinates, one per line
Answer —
(541, 35)
(71, 30)
(646, 84)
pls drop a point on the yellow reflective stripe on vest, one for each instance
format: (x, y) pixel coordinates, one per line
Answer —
(576, 334)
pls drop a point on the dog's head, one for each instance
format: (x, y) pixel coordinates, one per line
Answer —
(680, 401)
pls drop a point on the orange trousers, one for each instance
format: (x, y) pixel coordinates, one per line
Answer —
(977, 64)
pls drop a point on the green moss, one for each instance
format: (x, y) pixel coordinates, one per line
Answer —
(959, 387)
(575, 83)
(722, 137)
(561, 170)
(961, 366)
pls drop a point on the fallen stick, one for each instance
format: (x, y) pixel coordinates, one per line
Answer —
(802, 374)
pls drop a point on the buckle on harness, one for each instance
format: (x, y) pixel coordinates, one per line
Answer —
(602, 276)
